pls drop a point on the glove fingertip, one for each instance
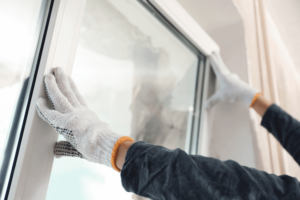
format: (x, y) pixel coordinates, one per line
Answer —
(57, 155)
(40, 101)
(66, 149)
(207, 106)
(57, 150)
(58, 71)
(49, 78)
(41, 105)
(210, 104)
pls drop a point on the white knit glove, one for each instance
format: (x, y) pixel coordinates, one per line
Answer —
(87, 137)
(232, 89)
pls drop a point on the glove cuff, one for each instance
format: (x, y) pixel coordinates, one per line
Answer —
(115, 151)
(255, 98)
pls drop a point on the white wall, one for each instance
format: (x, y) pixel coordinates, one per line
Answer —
(230, 130)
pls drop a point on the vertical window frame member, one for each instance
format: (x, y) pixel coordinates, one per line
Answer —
(209, 88)
(17, 129)
(33, 166)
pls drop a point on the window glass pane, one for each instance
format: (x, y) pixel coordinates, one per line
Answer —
(20, 23)
(139, 78)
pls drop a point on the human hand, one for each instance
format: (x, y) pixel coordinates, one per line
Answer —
(87, 137)
(232, 88)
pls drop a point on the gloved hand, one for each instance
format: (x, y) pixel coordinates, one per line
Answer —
(87, 137)
(232, 89)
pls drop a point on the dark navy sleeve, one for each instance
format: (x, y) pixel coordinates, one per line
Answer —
(285, 128)
(162, 174)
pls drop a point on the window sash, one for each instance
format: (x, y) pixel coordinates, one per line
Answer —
(33, 167)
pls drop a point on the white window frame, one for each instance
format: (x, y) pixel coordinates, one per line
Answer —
(32, 171)
(186, 25)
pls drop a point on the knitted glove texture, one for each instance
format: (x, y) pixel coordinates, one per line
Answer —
(87, 137)
(232, 89)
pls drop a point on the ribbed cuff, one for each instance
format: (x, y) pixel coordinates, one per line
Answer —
(115, 151)
(255, 98)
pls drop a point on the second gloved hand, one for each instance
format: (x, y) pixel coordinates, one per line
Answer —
(232, 88)
(87, 137)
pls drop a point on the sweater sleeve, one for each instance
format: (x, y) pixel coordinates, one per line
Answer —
(161, 174)
(285, 128)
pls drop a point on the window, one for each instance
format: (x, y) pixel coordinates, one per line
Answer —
(21, 24)
(140, 78)
(139, 65)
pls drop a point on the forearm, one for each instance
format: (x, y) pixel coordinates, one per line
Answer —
(261, 105)
(122, 151)
(285, 128)
(159, 173)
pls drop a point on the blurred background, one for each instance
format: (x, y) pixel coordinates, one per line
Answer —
(141, 79)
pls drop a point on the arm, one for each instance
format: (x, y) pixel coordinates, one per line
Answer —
(148, 170)
(122, 151)
(285, 128)
(158, 173)
(261, 105)
(162, 174)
